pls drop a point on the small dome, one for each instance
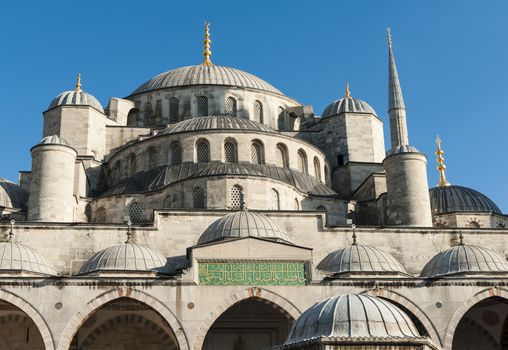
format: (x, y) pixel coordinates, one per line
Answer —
(360, 259)
(17, 257)
(125, 257)
(205, 75)
(12, 195)
(222, 122)
(449, 199)
(243, 223)
(347, 105)
(464, 259)
(53, 140)
(76, 98)
(353, 316)
(402, 149)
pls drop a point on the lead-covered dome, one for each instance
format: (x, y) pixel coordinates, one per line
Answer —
(353, 316)
(125, 257)
(12, 195)
(347, 105)
(243, 223)
(19, 258)
(450, 199)
(76, 97)
(205, 75)
(465, 259)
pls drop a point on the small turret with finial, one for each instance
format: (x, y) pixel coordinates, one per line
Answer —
(207, 53)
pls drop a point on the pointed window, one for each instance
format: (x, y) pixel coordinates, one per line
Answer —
(258, 112)
(273, 200)
(281, 156)
(256, 153)
(317, 168)
(302, 161)
(230, 152)
(231, 106)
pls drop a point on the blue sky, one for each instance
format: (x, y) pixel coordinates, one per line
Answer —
(452, 58)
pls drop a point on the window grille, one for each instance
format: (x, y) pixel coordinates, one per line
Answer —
(231, 106)
(136, 212)
(202, 152)
(281, 159)
(158, 112)
(258, 112)
(152, 157)
(273, 200)
(132, 164)
(317, 168)
(175, 154)
(230, 152)
(302, 161)
(198, 198)
(256, 153)
(148, 114)
(100, 215)
(236, 197)
(173, 109)
(202, 104)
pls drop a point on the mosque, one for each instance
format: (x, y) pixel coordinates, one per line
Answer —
(208, 210)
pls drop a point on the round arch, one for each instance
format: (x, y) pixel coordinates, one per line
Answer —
(462, 309)
(277, 301)
(81, 316)
(411, 307)
(31, 312)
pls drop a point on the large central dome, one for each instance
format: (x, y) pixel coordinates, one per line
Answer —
(205, 75)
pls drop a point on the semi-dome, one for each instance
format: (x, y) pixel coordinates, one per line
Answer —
(17, 257)
(202, 74)
(353, 316)
(465, 259)
(125, 257)
(347, 105)
(218, 122)
(12, 195)
(360, 259)
(243, 223)
(450, 199)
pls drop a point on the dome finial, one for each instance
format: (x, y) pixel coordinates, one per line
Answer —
(206, 52)
(78, 83)
(389, 34)
(129, 232)
(440, 164)
(353, 226)
(461, 238)
(11, 231)
(348, 93)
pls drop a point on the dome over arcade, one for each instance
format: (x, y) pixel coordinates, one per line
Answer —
(76, 97)
(12, 195)
(241, 224)
(347, 104)
(353, 316)
(464, 259)
(453, 198)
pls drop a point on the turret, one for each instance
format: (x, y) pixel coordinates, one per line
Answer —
(408, 202)
(51, 196)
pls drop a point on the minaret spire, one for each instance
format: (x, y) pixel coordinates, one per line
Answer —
(348, 93)
(78, 83)
(396, 106)
(440, 164)
(206, 52)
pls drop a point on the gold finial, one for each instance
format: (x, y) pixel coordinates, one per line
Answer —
(78, 83)
(206, 52)
(348, 93)
(440, 164)
(389, 32)
(129, 232)
(354, 234)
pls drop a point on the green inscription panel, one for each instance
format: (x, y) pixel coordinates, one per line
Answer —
(252, 273)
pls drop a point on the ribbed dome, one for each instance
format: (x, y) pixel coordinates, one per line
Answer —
(241, 224)
(53, 140)
(127, 257)
(17, 257)
(360, 259)
(402, 149)
(221, 122)
(12, 195)
(465, 259)
(205, 75)
(76, 98)
(347, 104)
(353, 316)
(449, 199)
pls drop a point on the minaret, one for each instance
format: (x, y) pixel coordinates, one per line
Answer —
(441, 167)
(407, 197)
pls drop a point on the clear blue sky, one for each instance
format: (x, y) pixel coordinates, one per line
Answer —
(452, 58)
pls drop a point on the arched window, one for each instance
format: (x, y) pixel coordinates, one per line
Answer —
(100, 215)
(198, 198)
(302, 161)
(317, 168)
(327, 175)
(132, 164)
(158, 112)
(281, 156)
(202, 151)
(230, 152)
(136, 212)
(202, 106)
(175, 153)
(273, 200)
(148, 111)
(231, 106)
(132, 117)
(256, 153)
(340, 160)
(297, 204)
(281, 120)
(174, 106)
(152, 157)
(115, 174)
(258, 112)
(236, 197)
